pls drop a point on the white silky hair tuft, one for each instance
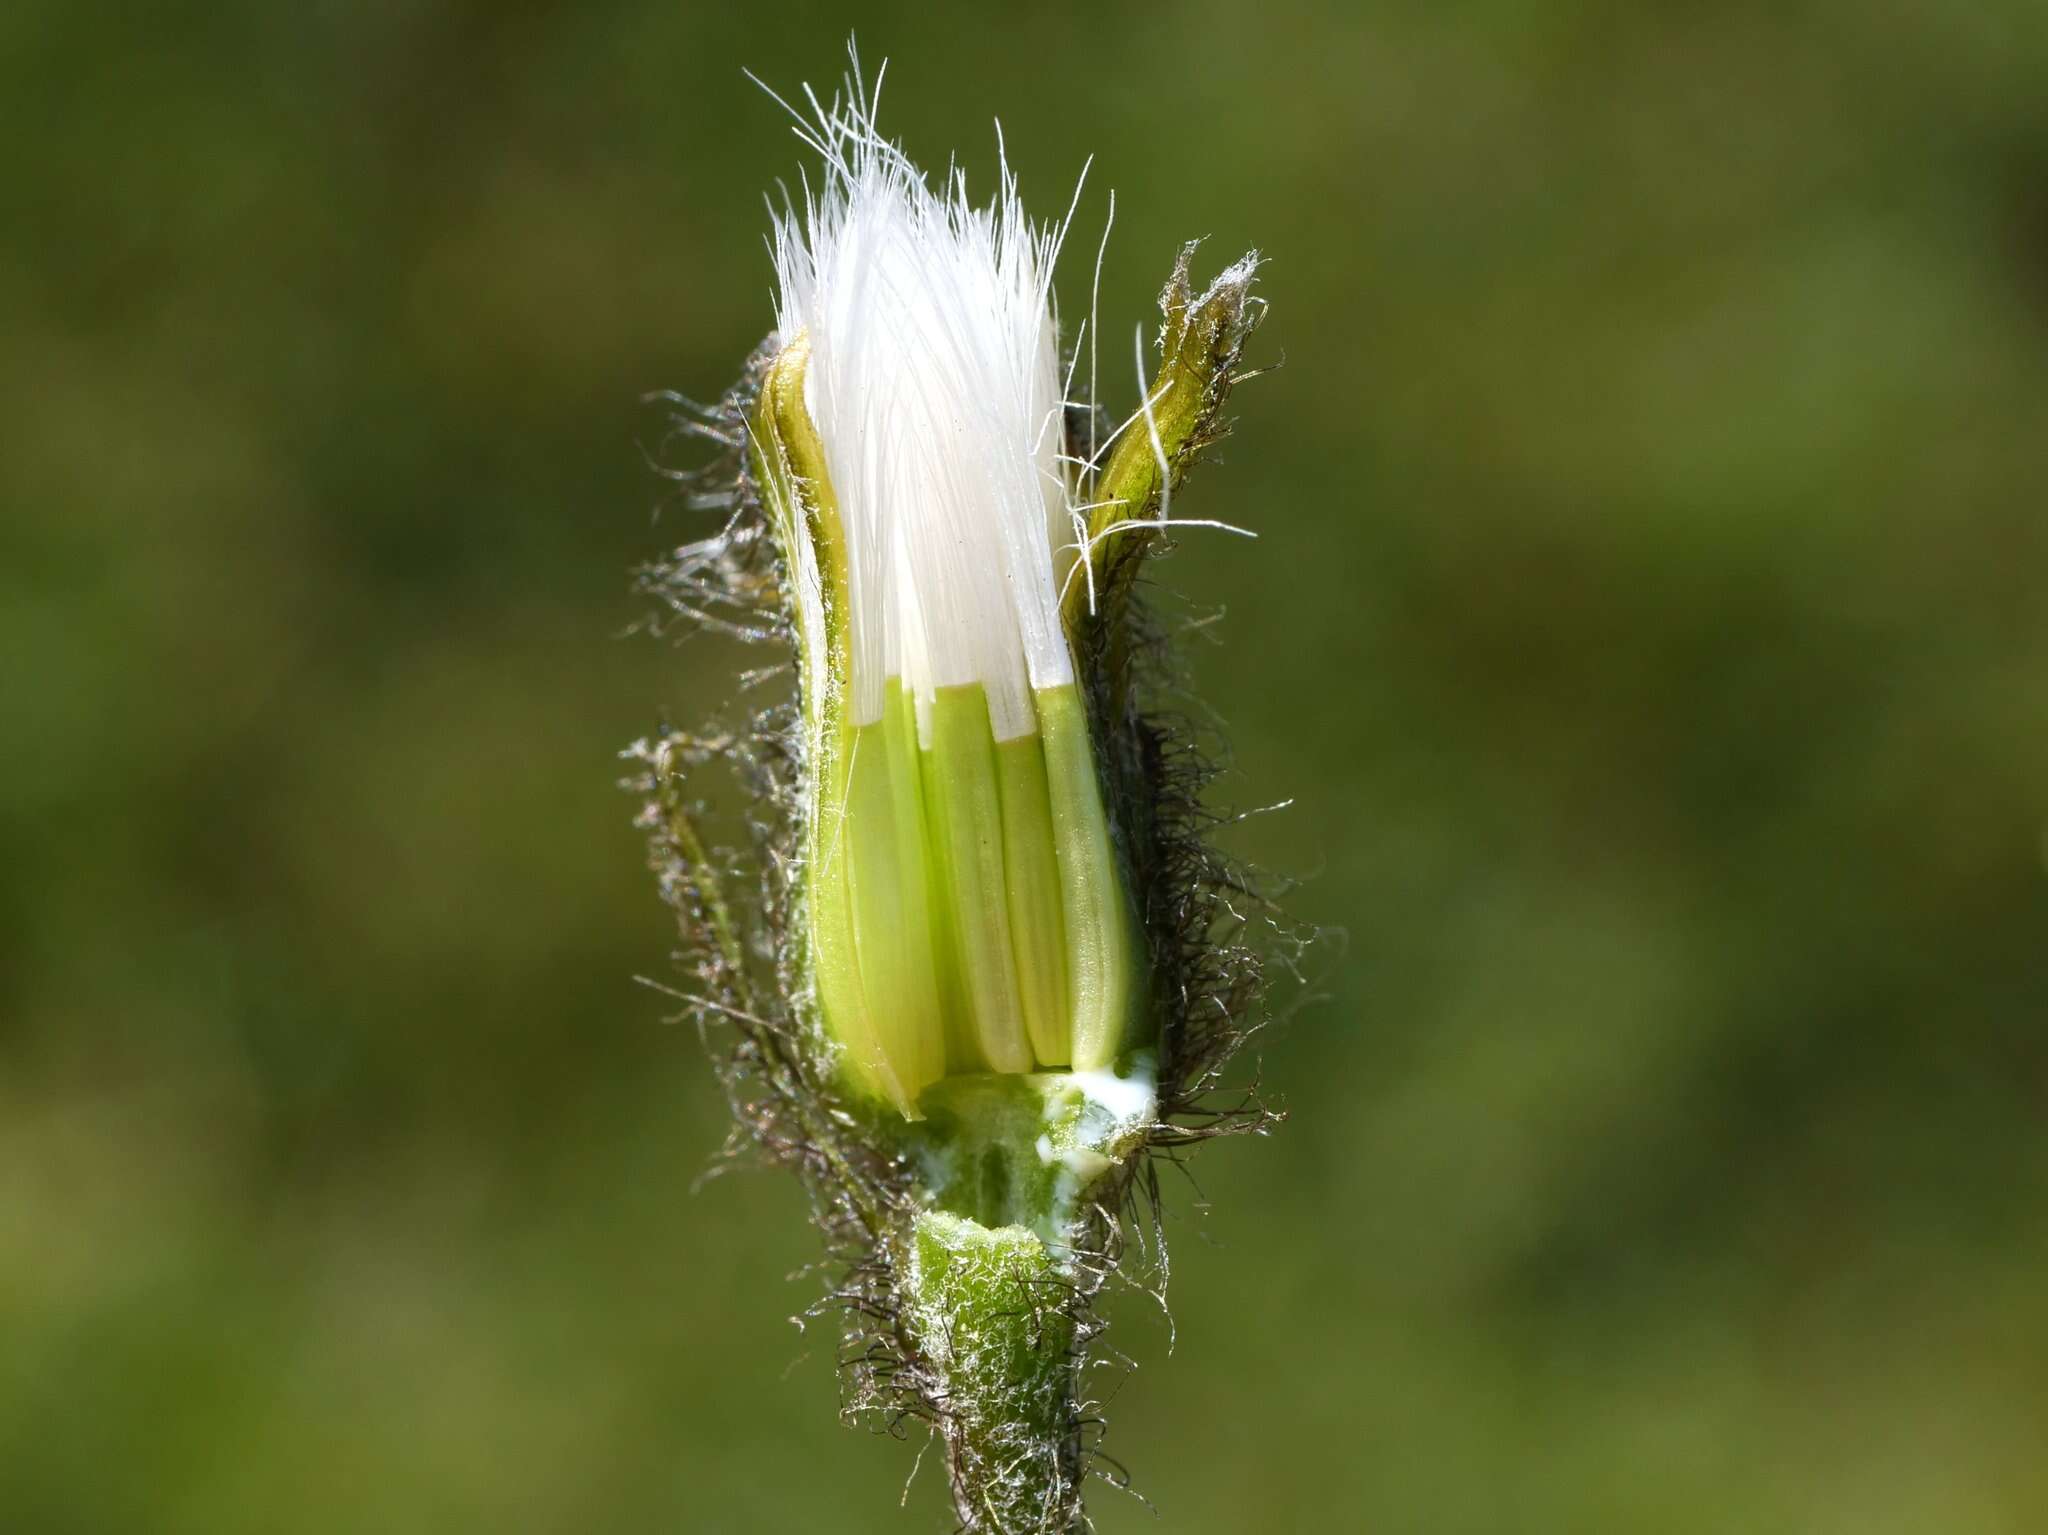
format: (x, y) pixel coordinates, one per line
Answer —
(934, 385)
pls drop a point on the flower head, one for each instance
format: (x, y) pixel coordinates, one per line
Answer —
(967, 910)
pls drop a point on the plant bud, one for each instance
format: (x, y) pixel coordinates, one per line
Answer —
(966, 904)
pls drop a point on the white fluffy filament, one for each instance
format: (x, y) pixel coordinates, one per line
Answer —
(934, 385)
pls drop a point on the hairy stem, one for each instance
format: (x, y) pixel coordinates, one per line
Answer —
(996, 1277)
(989, 1313)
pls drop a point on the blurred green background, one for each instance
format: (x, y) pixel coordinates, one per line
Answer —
(1650, 622)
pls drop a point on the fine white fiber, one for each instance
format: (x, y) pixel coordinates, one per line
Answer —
(934, 385)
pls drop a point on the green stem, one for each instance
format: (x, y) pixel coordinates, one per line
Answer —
(994, 1286)
(991, 1319)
